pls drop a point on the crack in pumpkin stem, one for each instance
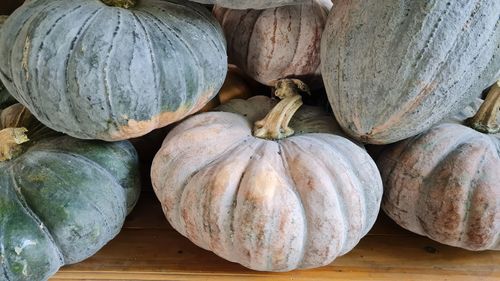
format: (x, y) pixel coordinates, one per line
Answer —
(275, 125)
(485, 120)
(121, 3)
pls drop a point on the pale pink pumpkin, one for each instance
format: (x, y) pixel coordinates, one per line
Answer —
(445, 183)
(276, 43)
(277, 202)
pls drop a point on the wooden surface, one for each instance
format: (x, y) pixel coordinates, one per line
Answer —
(149, 249)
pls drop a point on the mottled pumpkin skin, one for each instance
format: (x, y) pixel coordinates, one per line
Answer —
(61, 201)
(394, 68)
(251, 4)
(98, 72)
(445, 184)
(276, 43)
(269, 205)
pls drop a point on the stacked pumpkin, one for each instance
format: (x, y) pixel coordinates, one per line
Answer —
(267, 182)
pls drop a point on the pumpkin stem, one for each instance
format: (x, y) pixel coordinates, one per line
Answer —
(10, 142)
(275, 125)
(121, 3)
(485, 120)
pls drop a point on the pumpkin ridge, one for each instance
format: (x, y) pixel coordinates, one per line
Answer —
(231, 216)
(293, 185)
(184, 94)
(246, 62)
(44, 11)
(91, 203)
(354, 181)
(22, 201)
(472, 189)
(335, 183)
(456, 152)
(152, 55)
(194, 173)
(113, 120)
(77, 38)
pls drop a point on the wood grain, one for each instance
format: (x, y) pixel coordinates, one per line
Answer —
(149, 249)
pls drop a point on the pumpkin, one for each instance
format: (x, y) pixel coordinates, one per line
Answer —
(392, 69)
(236, 86)
(251, 4)
(445, 182)
(61, 199)
(274, 199)
(276, 43)
(95, 71)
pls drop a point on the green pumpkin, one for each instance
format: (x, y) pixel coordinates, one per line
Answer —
(251, 4)
(61, 198)
(95, 71)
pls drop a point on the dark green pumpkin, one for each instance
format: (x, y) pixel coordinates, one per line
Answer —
(394, 68)
(95, 71)
(61, 199)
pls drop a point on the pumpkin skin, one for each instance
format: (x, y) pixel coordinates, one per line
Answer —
(444, 184)
(276, 43)
(61, 200)
(425, 60)
(94, 71)
(252, 4)
(269, 205)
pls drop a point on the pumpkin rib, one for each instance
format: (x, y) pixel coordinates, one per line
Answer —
(335, 184)
(105, 70)
(286, 167)
(77, 38)
(427, 184)
(353, 182)
(195, 172)
(69, 257)
(246, 62)
(154, 62)
(34, 216)
(43, 12)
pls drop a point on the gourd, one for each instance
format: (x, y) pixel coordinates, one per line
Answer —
(276, 43)
(236, 86)
(445, 182)
(114, 72)
(251, 4)
(271, 199)
(61, 199)
(392, 69)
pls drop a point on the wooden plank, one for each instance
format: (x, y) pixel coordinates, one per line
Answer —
(149, 249)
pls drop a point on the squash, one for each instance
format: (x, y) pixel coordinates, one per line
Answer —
(251, 4)
(61, 199)
(392, 69)
(274, 199)
(276, 43)
(102, 72)
(445, 182)
(236, 86)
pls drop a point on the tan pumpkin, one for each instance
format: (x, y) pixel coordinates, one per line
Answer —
(236, 86)
(271, 199)
(445, 183)
(276, 43)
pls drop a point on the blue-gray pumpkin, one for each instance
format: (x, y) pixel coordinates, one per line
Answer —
(61, 198)
(394, 68)
(98, 71)
(251, 4)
